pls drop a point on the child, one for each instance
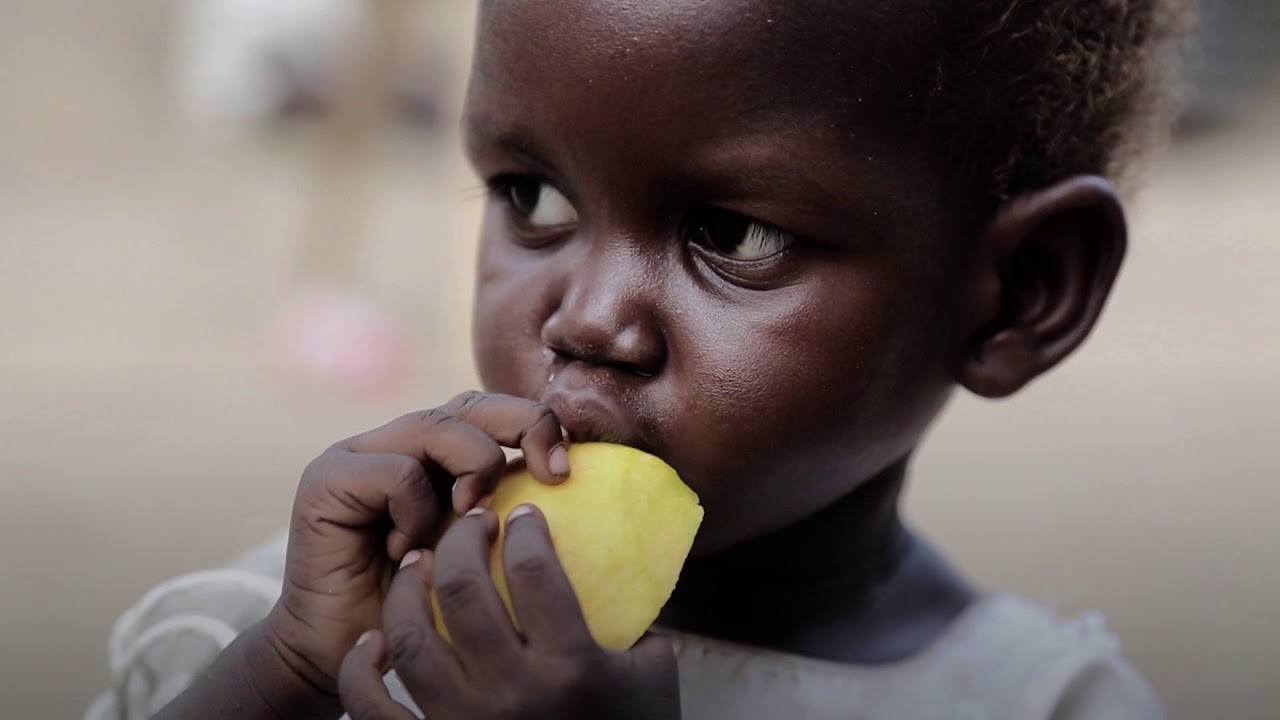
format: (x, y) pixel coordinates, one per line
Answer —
(763, 240)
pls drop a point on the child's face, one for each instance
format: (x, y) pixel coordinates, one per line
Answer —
(698, 245)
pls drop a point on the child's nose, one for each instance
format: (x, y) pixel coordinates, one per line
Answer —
(608, 314)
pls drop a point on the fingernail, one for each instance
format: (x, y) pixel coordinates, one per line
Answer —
(364, 637)
(520, 511)
(558, 461)
(454, 489)
(410, 558)
(475, 511)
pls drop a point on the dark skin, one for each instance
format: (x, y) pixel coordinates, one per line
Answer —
(697, 245)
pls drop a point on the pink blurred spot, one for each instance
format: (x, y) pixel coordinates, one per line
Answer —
(342, 341)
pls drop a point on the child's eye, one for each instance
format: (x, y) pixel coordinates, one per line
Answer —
(541, 204)
(737, 237)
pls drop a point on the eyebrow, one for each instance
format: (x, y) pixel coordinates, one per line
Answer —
(515, 140)
(799, 191)
(769, 177)
(765, 172)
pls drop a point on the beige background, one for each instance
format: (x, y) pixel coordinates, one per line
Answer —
(142, 436)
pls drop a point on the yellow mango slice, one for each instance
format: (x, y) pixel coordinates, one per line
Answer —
(622, 525)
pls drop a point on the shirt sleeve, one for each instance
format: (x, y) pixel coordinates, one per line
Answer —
(159, 645)
(1081, 674)
(1108, 688)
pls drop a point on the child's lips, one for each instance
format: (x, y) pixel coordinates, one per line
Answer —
(588, 414)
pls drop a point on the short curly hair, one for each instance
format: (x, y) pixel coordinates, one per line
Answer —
(1028, 92)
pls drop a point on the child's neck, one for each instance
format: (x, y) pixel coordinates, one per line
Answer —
(849, 583)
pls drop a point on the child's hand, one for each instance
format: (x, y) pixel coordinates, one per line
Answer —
(364, 503)
(551, 668)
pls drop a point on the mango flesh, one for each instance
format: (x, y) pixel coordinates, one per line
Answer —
(622, 525)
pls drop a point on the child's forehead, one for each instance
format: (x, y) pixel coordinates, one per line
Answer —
(742, 98)
(819, 52)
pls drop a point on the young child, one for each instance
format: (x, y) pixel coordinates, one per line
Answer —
(763, 240)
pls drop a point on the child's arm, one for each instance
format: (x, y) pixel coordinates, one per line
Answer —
(360, 508)
(250, 680)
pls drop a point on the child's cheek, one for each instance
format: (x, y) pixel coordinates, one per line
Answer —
(506, 325)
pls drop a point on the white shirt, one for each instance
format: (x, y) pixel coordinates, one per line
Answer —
(1004, 658)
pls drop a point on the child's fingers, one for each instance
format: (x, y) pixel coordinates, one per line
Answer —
(416, 512)
(426, 664)
(472, 610)
(468, 453)
(517, 422)
(543, 599)
(655, 657)
(465, 437)
(360, 686)
(370, 486)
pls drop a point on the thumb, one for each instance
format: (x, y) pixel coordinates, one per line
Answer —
(654, 656)
(656, 678)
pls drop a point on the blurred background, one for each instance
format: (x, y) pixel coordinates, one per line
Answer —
(231, 238)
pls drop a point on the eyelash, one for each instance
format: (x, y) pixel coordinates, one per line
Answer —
(499, 187)
(696, 229)
(537, 220)
(704, 224)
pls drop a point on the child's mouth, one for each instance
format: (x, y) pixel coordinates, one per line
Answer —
(588, 414)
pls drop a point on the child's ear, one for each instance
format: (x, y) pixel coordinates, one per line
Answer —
(1046, 263)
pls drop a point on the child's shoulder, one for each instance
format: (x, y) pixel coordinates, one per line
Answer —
(1003, 657)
